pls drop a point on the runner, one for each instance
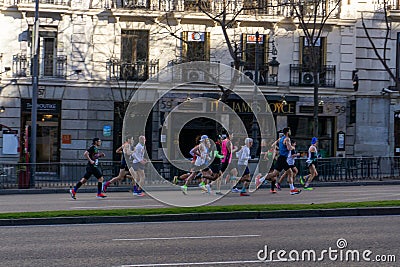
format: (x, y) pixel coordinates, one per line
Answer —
(125, 149)
(93, 167)
(311, 164)
(271, 156)
(213, 173)
(291, 178)
(199, 158)
(194, 153)
(227, 150)
(243, 169)
(281, 163)
(138, 165)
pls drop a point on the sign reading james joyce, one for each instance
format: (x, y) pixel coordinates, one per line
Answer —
(276, 107)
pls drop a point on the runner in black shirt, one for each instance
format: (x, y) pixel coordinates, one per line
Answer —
(93, 167)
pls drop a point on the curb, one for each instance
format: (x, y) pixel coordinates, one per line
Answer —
(126, 188)
(242, 215)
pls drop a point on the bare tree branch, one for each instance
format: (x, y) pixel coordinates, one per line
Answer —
(381, 59)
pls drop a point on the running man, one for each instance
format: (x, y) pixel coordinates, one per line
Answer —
(281, 163)
(213, 172)
(92, 154)
(243, 169)
(199, 153)
(125, 149)
(291, 161)
(311, 164)
(270, 156)
(138, 165)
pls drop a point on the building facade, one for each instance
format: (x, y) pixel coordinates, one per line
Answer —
(93, 55)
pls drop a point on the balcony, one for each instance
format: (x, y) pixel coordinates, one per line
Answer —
(137, 71)
(24, 2)
(52, 67)
(302, 76)
(250, 7)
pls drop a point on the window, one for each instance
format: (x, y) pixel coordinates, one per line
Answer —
(307, 54)
(48, 64)
(134, 54)
(47, 56)
(253, 49)
(302, 132)
(196, 46)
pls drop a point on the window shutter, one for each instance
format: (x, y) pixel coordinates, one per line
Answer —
(184, 46)
(244, 47)
(207, 46)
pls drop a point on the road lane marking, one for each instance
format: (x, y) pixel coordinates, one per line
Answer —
(212, 263)
(113, 207)
(184, 237)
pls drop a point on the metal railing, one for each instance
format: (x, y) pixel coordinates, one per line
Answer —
(65, 175)
(50, 2)
(250, 7)
(303, 76)
(56, 66)
(136, 71)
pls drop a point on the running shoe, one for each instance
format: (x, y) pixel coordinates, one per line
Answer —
(101, 195)
(208, 187)
(104, 187)
(308, 188)
(203, 187)
(273, 191)
(73, 193)
(258, 182)
(184, 189)
(175, 181)
(139, 194)
(244, 194)
(302, 180)
(295, 191)
(278, 186)
(235, 190)
(218, 193)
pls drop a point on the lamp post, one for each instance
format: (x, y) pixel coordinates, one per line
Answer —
(35, 82)
(254, 129)
(256, 59)
(273, 68)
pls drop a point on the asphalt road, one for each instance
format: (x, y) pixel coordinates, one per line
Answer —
(206, 243)
(117, 200)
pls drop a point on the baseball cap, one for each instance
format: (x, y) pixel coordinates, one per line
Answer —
(314, 140)
(203, 137)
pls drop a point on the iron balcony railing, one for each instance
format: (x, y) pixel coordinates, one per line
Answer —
(65, 175)
(261, 76)
(55, 67)
(50, 2)
(303, 76)
(136, 71)
(261, 7)
(271, 8)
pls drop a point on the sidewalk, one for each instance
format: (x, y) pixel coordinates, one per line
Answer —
(60, 200)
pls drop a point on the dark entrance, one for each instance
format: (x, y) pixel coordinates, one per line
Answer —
(48, 133)
(397, 133)
(194, 129)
